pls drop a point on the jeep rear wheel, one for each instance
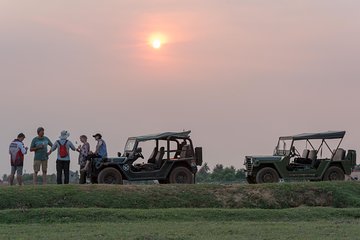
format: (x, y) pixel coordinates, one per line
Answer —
(267, 175)
(334, 174)
(181, 175)
(110, 175)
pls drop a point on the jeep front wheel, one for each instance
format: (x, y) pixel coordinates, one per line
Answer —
(334, 174)
(110, 175)
(181, 175)
(267, 175)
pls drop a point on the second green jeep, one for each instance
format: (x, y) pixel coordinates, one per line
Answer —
(318, 161)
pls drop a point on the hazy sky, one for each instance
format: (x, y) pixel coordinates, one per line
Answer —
(238, 73)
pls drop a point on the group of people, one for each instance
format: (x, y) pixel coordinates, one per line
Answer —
(39, 145)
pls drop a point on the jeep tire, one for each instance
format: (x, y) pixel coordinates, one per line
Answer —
(110, 175)
(267, 175)
(181, 175)
(334, 174)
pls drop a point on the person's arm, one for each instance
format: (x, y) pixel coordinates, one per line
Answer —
(33, 148)
(98, 146)
(50, 143)
(53, 147)
(23, 149)
(71, 146)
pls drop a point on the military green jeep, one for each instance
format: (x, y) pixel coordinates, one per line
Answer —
(173, 159)
(322, 159)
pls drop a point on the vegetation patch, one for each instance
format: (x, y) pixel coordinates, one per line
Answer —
(273, 196)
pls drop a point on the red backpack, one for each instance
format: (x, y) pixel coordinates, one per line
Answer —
(63, 152)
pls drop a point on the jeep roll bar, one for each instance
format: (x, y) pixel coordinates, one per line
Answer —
(317, 136)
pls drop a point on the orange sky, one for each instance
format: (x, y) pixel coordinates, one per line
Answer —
(237, 73)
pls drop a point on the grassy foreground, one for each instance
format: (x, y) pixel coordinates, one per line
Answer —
(271, 211)
(300, 223)
(273, 196)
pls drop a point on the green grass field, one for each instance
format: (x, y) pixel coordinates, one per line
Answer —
(274, 211)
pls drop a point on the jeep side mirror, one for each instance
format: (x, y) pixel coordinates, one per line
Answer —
(139, 150)
(119, 154)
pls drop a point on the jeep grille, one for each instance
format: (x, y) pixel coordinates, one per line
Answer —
(249, 165)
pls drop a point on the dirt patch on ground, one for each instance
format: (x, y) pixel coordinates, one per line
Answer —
(262, 197)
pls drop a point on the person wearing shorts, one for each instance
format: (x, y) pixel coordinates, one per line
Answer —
(17, 150)
(39, 146)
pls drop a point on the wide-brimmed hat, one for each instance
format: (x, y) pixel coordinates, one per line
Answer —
(64, 135)
(97, 135)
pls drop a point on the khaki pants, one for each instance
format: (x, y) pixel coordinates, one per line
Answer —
(40, 163)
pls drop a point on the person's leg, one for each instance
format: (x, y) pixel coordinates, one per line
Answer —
(66, 172)
(58, 172)
(82, 179)
(19, 175)
(37, 164)
(85, 169)
(44, 170)
(11, 176)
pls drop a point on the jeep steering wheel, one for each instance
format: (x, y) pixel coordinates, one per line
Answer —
(294, 152)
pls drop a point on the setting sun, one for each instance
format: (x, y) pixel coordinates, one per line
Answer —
(157, 40)
(156, 43)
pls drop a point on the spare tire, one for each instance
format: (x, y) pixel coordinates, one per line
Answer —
(181, 175)
(110, 175)
(334, 174)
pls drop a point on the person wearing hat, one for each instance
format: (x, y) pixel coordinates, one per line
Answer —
(63, 145)
(100, 151)
(17, 150)
(39, 146)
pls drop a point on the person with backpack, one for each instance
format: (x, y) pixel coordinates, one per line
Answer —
(63, 145)
(17, 150)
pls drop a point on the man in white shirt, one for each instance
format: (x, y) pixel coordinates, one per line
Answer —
(17, 150)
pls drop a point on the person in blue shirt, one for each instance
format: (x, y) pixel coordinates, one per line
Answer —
(63, 145)
(39, 146)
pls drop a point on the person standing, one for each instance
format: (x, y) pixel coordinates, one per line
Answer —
(39, 145)
(100, 151)
(83, 150)
(63, 157)
(17, 150)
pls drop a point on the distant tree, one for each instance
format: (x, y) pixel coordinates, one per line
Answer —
(203, 174)
(220, 174)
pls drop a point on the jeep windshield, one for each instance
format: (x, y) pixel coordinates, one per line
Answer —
(129, 146)
(283, 148)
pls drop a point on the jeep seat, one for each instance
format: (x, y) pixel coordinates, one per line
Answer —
(339, 155)
(179, 150)
(159, 158)
(306, 153)
(304, 157)
(186, 152)
(153, 156)
(158, 161)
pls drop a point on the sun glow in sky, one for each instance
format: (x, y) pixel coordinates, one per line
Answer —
(156, 43)
(157, 40)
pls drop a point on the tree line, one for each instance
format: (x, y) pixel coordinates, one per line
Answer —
(220, 174)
